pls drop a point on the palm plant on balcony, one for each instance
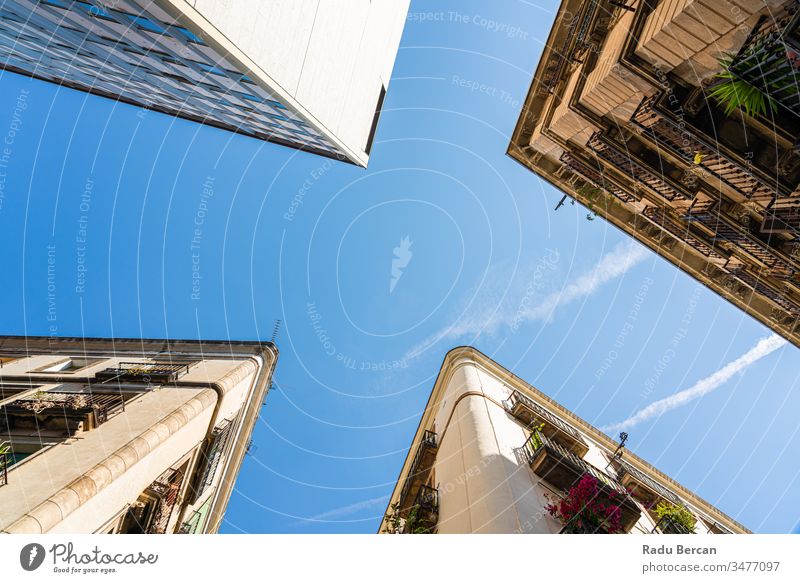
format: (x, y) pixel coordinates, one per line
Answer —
(675, 514)
(585, 511)
(734, 93)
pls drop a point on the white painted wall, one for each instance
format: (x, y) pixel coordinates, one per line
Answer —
(330, 57)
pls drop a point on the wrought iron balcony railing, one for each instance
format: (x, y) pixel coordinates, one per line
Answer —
(563, 469)
(148, 372)
(4, 463)
(576, 42)
(770, 57)
(643, 486)
(782, 216)
(419, 470)
(726, 229)
(596, 177)
(678, 138)
(761, 288)
(532, 415)
(425, 513)
(166, 489)
(60, 410)
(668, 526)
(626, 163)
(660, 218)
(210, 458)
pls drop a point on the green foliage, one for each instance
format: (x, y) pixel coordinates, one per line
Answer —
(677, 514)
(536, 436)
(734, 93)
(5, 448)
(394, 523)
(411, 525)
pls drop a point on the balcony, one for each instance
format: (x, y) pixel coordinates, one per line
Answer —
(61, 413)
(424, 512)
(782, 216)
(533, 415)
(643, 487)
(659, 217)
(668, 526)
(678, 138)
(596, 177)
(5, 461)
(563, 469)
(165, 490)
(210, 458)
(770, 58)
(726, 229)
(636, 171)
(418, 472)
(577, 41)
(144, 372)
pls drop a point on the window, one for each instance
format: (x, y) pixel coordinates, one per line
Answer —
(376, 116)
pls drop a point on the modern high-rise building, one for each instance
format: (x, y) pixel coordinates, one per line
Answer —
(125, 436)
(492, 453)
(304, 73)
(678, 121)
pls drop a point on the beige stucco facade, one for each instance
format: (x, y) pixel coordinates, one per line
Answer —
(475, 430)
(621, 117)
(125, 435)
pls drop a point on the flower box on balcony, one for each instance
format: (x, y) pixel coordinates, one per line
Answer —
(563, 470)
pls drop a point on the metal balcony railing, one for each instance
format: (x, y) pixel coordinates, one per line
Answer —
(210, 458)
(668, 526)
(67, 410)
(166, 488)
(725, 228)
(632, 478)
(683, 233)
(419, 470)
(576, 42)
(4, 463)
(532, 414)
(148, 372)
(539, 444)
(685, 144)
(636, 171)
(596, 177)
(426, 507)
(563, 470)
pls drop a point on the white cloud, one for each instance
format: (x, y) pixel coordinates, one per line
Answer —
(702, 387)
(492, 308)
(347, 510)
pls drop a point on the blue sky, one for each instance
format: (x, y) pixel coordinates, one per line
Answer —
(571, 305)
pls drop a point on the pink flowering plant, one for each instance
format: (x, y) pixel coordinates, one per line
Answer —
(585, 510)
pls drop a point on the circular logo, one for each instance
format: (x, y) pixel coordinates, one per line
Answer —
(31, 556)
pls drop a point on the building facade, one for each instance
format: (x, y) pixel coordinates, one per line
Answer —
(125, 436)
(304, 73)
(627, 115)
(492, 452)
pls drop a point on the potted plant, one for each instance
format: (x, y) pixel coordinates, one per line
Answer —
(585, 510)
(674, 518)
